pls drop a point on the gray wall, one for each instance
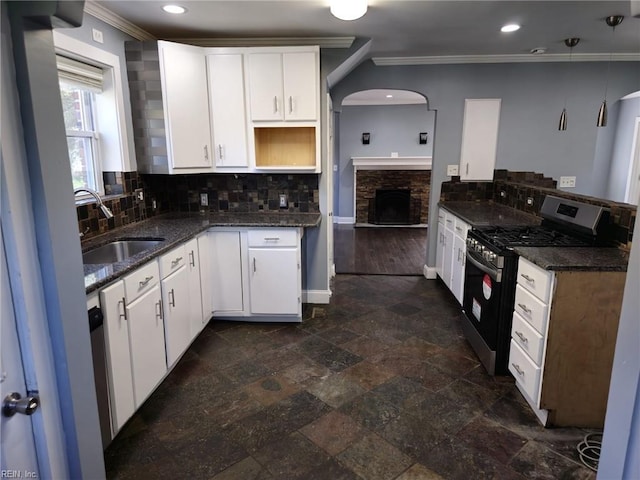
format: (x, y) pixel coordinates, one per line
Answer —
(393, 128)
(622, 148)
(532, 98)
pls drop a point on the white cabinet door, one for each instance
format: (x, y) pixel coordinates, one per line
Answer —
(177, 322)
(205, 241)
(457, 273)
(146, 336)
(227, 272)
(274, 281)
(195, 288)
(228, 120)
(186, 105)
(265, 86)
(300, 86)
(117, 351)
(447, 261)
(440, 245)
(479, 138)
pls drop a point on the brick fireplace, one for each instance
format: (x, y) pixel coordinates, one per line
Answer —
(392, 192)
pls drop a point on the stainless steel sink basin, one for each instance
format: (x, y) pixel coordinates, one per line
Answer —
(119, 250)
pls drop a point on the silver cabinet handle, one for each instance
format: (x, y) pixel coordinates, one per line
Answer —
(159, 309)
(271, 239)
(172, 298)
(122, 315)
(254, 264)
(525, 309)
(176, 262)
(275, 104)
(220, 151)
(459, 229)
(527, 278)
(192, 257)
(290, 104)
(522, 337)
(467, 169)
(206, 152)
(518, 369)
(144, 282)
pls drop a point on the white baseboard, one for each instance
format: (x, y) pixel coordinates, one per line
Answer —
(316, 296)
(344, 220)
(429, 273)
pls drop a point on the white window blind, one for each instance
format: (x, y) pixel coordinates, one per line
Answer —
(79, 74)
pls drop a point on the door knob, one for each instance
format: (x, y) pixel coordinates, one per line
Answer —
(14, 403)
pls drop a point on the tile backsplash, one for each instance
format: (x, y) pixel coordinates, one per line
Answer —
(514, 188)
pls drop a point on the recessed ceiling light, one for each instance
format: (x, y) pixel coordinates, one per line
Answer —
(348, 9)
(389, 96)
(176, 9)
(512, 27)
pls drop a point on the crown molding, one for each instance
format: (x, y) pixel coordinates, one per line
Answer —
(527, 58)
(107, 16)
(323, 42)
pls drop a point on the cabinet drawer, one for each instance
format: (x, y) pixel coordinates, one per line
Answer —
(531, 309)
(273, 238)
(526, 373)
(172, 261)
(461, 228)
(527, 338)
(534, 279)
(141, 281)
(449, 220)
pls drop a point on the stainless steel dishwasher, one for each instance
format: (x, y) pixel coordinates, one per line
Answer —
(100, 373)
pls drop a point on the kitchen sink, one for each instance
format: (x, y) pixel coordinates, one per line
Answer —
(119, 250)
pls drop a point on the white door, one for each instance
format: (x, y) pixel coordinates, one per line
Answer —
(18, 450)
(300, 80)
(228, 121)
(177, 310)
(274, 281)
(457, 273)
(265, 86)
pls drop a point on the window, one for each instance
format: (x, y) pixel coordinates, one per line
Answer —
(97, 123)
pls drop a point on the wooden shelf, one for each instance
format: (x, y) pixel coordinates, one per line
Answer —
(285, 146)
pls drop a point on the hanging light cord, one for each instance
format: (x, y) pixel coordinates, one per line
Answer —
(589, 450)
(606, 85)
(566, 93)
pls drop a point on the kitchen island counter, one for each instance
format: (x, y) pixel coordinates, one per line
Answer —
(176, 228)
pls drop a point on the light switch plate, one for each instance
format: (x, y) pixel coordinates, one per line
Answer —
(452, 170)
(283, 200)
(97, 35)
(204, 199)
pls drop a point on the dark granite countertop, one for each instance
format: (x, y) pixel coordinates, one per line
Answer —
(176, 228)
(608, 259)
(488, 213)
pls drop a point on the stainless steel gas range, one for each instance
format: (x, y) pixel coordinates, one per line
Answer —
(491, 270)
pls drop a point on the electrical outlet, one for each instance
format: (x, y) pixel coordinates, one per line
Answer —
(283, 200)
(568, 182)
(452, 170)
(204, 199)
(97, 35)
(529, 201)
(154, 205)
(503, 194)
(394, 154)
(335, 168)
(139, 194)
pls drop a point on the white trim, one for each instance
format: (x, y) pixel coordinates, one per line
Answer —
(430, 273)
(344, 220)
(110, 61)
(322, 42)
(316, 296)
(633, 180)
(392, 163)
(527, 58)
(107, 16)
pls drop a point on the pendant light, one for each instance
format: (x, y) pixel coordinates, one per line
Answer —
(569, 42)
(613, 21)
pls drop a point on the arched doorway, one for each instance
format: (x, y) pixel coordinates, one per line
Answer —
(383, 156)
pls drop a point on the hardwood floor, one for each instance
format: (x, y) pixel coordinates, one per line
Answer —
(379, 251)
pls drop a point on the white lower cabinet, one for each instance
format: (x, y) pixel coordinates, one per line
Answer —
(196, 316)
(274, 281)
(177, 324)
(205, 241)
(226, 277)
(451, 254)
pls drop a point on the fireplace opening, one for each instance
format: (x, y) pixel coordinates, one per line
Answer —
(392, 207)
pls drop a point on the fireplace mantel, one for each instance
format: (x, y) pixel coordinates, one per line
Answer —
(391, 163)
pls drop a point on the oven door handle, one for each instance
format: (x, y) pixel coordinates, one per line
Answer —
(496, 275)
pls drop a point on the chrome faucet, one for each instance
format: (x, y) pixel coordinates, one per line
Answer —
(107, 213)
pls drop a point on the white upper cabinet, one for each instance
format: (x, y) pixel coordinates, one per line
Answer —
(186, 107)
(479, 138)
(227, 107)
(284, 86)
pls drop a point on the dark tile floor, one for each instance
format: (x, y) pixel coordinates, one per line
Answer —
(380, 384)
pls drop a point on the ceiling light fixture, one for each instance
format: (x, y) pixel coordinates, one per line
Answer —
(389, 96)
(562, 125)
(613, 21)
(512, 27)
(348, 9)
(175, 9)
